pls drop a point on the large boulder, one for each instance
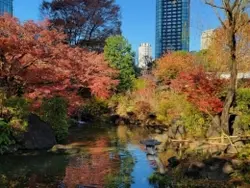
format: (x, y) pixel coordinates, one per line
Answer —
(39, 134)
(211, 169)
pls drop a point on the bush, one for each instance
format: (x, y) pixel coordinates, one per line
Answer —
(174, 108)
(18, 110)
(94, 109)
(122, 104)
(5, 136)
(242, 109)
(55, 113)
(139, 84)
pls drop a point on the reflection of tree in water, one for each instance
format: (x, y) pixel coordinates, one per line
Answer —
(100, 166)
(91, 171)
(41, 170)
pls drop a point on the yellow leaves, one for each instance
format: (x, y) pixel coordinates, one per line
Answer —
(219, 53)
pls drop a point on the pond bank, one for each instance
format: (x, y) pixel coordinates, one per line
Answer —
(108, 156)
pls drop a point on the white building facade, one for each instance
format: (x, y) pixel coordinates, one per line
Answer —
(144, 55)
(206, 38)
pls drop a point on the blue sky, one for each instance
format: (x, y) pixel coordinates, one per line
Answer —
(138, 19)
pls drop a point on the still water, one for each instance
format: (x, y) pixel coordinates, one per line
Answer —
(98, 157)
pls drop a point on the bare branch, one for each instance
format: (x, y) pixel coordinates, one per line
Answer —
(213, 5)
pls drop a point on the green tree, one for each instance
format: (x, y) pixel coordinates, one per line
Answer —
(119, 54)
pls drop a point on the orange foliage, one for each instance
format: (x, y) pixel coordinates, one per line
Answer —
(171, 64)
(218, 52)
(39, 61)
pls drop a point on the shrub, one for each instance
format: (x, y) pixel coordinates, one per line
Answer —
(122, 104)
(18, 109)
(174, 108)
(95, 108)
(242, 109)
(142, 109)
(55, 113)
(139, 84)
(5, 136)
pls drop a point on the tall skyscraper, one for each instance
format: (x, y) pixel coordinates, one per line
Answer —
(172, 26)
(144, 55)
(206, 38)
(6, 6)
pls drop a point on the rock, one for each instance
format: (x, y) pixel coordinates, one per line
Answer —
(173, 162)
(198, 164)
(163, 138)
(158, 131)
(214, 129)
(181, 129)
(178, 136)
(228, 168)
(213, 169)
(195, 170)
(177, 132)
(65, 149)
(39, 134)
(152, 116)
(231, 150)
(194, 145)
(11, 149)
(212, 132)
(237, 163)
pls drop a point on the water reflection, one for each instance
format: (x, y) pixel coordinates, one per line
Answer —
(91, 171)
(32, 170)
(143, 169)
(108, 159)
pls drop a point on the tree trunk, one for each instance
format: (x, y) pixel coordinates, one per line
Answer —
(233, 79)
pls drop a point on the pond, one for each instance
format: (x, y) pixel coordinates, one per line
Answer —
(98, 157)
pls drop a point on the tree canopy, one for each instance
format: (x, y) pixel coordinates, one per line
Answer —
(87, 23)
(36, 61)
(119, 54)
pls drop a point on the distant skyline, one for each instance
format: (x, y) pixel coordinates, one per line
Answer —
(138, 19)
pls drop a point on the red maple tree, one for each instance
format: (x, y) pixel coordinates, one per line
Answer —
(201, 88)
(38, 61)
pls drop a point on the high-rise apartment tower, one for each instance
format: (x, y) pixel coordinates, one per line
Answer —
(206, 38)
(6, 6)
(172, 26)
(144, 55)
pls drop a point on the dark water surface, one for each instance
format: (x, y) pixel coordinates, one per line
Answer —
(101, 157)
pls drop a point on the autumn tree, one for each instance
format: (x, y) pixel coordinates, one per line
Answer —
(87, 23)
(234, 12)
(37, 61)
(119, 54)
(171, 64)
(218, 53)
(201, 88)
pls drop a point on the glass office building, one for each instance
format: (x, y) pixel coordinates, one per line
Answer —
(6, 6)
(172, 26)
